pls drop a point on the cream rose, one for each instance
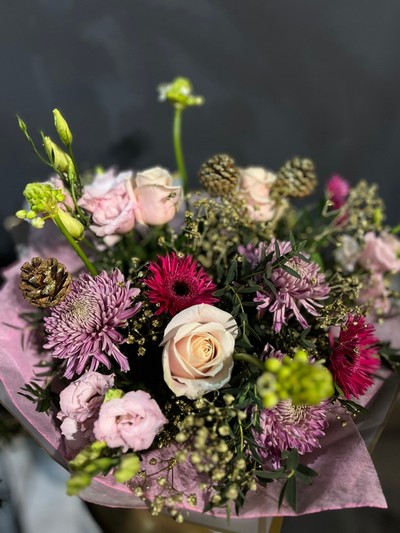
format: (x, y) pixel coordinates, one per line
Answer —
(255, 188)
(198, 348)
(159, 200)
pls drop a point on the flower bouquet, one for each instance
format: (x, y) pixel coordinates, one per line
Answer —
(202, 351)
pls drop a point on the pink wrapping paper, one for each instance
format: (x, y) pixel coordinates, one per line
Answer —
(347, 477)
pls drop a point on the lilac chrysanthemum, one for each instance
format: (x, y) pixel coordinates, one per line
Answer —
(82, 328)
(288, 426)
(292, 293)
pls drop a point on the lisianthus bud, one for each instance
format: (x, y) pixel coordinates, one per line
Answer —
(72, 225)
(128, 467)
(57, 157)
(62, 128)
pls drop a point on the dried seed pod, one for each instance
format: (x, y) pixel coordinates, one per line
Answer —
(219, 175)
(44, 282)
(295, 179)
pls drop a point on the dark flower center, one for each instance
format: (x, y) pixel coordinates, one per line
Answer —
(181, 288)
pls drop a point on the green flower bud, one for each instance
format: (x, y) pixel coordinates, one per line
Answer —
(62, 128)
(78, 482)
(43, 198)
(38, 223)
(113, 394)
(179, 93)
(57, 157)
(72, 225)
(297, 379)
(21, 214)
(128, 467)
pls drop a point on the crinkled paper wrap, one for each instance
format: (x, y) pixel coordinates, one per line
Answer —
(347, 477)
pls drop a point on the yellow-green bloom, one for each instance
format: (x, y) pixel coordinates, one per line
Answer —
(180, 93)
(299, 380)
(43, 198)
(62, 128)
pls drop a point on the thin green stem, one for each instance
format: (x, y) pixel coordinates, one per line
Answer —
(75, 245)
(177, 137)
(247, 358)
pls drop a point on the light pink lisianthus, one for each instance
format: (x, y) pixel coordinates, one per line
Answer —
(130, 422)
(255, 188)
(375, 294)
(380, 253)
(198, 350)
(158, 198)
(112, 204)
(80, 402)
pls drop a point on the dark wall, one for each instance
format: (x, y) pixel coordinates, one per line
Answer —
(281, 77)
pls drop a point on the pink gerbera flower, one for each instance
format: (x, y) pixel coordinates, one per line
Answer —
(292, 293)
(287, 426)
(354, 357)
(177, 283)
(82, 328)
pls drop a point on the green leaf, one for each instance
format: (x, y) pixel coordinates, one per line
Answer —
(291, 492)
(293, 459)
(274, 474)
(232, 271)
(306, 470)
(291, 271)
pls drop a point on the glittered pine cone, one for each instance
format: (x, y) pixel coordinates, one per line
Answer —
(295, 179)
(44, 282)
(219, 175)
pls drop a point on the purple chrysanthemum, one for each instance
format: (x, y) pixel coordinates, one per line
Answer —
(176, 283)
(292, 293)
(288, 426)
(82, 328)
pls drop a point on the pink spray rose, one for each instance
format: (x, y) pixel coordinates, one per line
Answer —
(198, 348)
(112, 204)
(159, 200)
(380, 253)
(255, 188)
(131, 422)
(79, 406)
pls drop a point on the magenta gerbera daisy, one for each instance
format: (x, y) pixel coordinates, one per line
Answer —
(292, 293)
(176, 283)
(354, 358)
(287, 426)
(82, 328)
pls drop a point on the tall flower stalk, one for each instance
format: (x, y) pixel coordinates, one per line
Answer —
(179, 94)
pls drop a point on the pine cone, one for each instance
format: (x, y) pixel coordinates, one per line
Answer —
(296, 178)
(44, 282)
(219, 175)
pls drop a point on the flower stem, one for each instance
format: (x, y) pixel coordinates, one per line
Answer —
(177, 137)
(249, 359)
(75, 245)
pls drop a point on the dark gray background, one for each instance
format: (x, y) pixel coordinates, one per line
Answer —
(315, 78)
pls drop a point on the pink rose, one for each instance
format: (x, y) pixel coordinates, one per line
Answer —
(159, 200)
(255, 188)
(80, 403)
(198, 347)
(112, 204)
(380, 253)
(131, 421)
